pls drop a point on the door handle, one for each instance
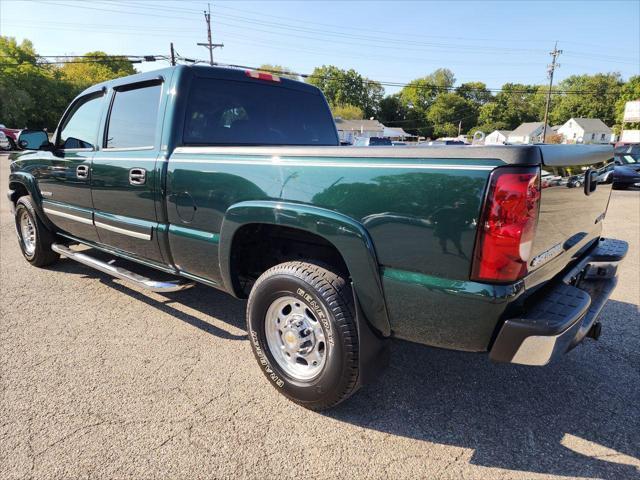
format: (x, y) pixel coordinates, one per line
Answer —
(82, 171)
(137, 176)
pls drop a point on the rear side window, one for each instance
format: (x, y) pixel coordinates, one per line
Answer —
(226, 112)
(80, 128)
(133, 117)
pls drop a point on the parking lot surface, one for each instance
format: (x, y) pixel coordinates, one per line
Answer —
(102, 380)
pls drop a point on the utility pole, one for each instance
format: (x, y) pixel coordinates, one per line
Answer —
(459, 127)
(551, 68)
(173, 56)
(209, 46)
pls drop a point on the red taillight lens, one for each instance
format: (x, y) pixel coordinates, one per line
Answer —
(507, 225)
(262, 76)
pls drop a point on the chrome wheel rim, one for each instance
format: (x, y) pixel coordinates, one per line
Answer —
(295, 338)
(28, 233)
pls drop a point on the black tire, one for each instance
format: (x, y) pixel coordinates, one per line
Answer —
(325, 293)
(40, 255)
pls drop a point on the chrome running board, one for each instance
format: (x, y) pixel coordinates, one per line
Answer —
(123, 274)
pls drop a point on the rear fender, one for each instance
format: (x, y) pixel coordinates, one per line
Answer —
(348, 236)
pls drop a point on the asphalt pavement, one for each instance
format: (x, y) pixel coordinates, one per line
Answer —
(101, 380)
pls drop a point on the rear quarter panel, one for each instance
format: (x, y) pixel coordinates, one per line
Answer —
(421, 214)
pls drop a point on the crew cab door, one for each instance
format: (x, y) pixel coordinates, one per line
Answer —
(65, 184)
(125, 180)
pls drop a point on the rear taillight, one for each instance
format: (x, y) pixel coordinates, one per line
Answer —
(507, 225)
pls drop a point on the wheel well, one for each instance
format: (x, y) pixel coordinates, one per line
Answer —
(258, 247)
(19, 190)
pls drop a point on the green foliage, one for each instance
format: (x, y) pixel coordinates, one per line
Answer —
(96, 68)
(598, 102)
(280, 71)
(447, 110)
(420, 93)
(475, 92)
(348, 87)
(347, 112)
(35, 95)
(392, 110)
(515, 104)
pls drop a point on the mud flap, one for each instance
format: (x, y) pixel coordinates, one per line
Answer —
(374, 350)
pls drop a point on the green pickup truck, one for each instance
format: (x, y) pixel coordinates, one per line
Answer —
(236, 179)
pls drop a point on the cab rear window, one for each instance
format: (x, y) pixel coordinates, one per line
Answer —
(227, 112)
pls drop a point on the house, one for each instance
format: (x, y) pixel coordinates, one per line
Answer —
(497, 137)
(585, 130)
(530, 132)
(395, 133)
(349, 130)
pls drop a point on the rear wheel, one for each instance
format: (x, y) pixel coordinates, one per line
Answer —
(303, 333)
(34, 238)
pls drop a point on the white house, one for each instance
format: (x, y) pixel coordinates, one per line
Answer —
(585, 130)
(497, 137)
(349, 130)
(530, 132)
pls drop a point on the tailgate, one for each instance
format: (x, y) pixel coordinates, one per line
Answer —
(576, 185)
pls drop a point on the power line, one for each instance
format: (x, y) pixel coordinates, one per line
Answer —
(330, 36)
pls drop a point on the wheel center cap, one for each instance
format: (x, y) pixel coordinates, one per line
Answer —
(290, 338)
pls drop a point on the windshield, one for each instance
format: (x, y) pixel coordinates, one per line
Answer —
(628, 158)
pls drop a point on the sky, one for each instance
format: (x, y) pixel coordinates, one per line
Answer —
(389, 41)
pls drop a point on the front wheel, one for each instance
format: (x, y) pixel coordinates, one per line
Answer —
(35, 240)
(301, 325)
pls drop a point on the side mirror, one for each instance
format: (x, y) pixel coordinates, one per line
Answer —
(33, 140)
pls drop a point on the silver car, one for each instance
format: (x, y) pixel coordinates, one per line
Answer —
(4, 142)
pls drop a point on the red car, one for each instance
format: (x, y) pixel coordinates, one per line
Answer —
(12, 136)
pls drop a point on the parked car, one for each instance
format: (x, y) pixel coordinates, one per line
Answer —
(548, 179)
(12, 136)
(236, 181)
(627, 167)
(605, 174)
(575, 181)
(4, 141)
(372, 142)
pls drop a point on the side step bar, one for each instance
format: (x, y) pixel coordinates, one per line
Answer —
(119, 272)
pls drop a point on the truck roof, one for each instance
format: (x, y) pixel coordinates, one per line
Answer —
(223, 73)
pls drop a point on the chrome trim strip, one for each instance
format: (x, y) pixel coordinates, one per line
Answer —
(99, 158)
(123, 231)
(125, 149)
(297, 163)
(119, 272)
(57, 213)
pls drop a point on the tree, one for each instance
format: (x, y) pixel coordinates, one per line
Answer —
(280, 71)
(588, 96)
(347, 112)
(448, 111)
(392, 110)
(95, 67)
(348, 87)
(420, 93)
(475, 92)
(513, 105)
(23, 84)
(35, 94)
(417, 97)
